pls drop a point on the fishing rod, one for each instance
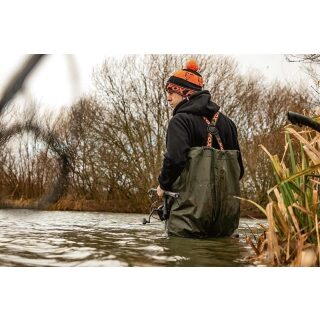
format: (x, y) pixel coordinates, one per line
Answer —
(299, 119)
(18, 79)
(163, 211)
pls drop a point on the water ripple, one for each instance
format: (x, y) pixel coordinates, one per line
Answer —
(35, 238)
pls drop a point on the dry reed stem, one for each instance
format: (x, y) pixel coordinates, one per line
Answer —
(288, 248)
(304, 210)
(273, 246)
(283, 218)
(281, 204)
(294, 220)
(318, 241)
(304, 141)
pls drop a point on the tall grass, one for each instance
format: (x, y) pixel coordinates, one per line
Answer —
(293, 211)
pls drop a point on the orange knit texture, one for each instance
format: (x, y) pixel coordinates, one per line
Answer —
(189, 76)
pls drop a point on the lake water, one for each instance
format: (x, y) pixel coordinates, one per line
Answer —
(62, 238)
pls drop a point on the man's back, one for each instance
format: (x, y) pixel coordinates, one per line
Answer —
(188, 128)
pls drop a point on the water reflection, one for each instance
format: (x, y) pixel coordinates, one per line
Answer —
(208, 252)
(34, 238)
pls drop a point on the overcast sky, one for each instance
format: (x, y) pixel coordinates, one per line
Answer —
(52, 85)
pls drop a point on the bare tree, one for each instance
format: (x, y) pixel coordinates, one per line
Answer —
(116, 138)
(306, 58)
(311, 65)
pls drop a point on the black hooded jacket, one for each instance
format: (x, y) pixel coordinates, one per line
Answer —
(188, 129)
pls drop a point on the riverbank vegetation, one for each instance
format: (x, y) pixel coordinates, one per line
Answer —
(116, 135)
(292, 237)
(293, 210)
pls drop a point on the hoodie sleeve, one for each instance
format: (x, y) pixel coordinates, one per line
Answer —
(178, 145)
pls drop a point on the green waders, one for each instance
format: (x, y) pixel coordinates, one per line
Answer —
(206, 206)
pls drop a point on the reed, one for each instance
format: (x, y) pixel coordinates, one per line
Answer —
(293, 211)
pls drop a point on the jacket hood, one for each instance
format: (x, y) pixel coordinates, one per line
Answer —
(199, 103)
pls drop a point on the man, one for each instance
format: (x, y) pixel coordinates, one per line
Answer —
(193, 110)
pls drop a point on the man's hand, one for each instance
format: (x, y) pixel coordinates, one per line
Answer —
(160, 192)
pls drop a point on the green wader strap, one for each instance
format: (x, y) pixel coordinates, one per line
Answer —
(213, 130)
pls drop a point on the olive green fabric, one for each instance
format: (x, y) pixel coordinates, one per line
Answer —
(206, 206)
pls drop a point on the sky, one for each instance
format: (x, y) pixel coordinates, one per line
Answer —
(59, 80)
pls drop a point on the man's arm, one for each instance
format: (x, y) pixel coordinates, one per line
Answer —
(178, 145)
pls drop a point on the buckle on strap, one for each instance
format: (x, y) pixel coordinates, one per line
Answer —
(212, 129)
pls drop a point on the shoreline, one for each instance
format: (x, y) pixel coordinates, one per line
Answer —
(94, 206)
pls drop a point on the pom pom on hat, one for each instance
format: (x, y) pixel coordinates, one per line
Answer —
(187, 81)
(192, 65)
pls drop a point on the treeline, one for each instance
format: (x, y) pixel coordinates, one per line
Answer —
(117, 135)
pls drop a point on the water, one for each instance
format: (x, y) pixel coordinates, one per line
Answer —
(60, 238)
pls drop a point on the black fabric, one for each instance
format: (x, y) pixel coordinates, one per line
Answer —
(188, 129)
(184, 83)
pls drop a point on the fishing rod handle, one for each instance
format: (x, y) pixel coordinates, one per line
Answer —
(167, 193)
